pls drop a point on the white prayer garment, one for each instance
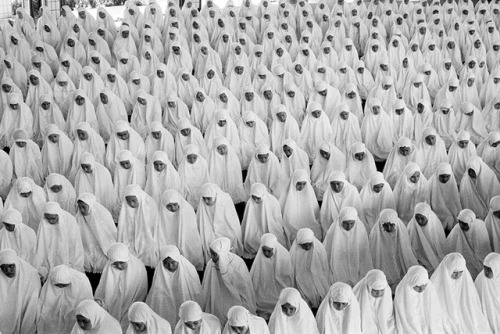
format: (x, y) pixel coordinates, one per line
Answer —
(271, 272)
(292, 315)
(159, 139)
(86, 140)
(192, 318)
(98, 232)
(391, 248)
(193, 173)
(377, 131)
(360, 165)
(462, 312)
(29, 199)
(57, 151)
(315, 130)
(431, 152)
(459, 154)
(6, 173)
(128, 170)
(283, 126)
(375, 301)
(376, 195)
(310, 267)
(26, 157)
(142, 318)
(469, 238)
(403, 153)
(124, 281)
(227, 281)
(18, 236)
(161, 176)
(262, 215)
(138, 224)
(93, 319)
(217, 217)
(239, 318)
(124, 137)
(489, 150)
(299, 207)
(264, 168)
(492, 223)
(293, 158)
(443, 196)
(487, 286)
(175, 281)
(329, 159)
(479, 184)
(58, 240)
(347, 247)
(19, 287)
(339, 311)
(417, 305)
(64, 290)
(177, 226)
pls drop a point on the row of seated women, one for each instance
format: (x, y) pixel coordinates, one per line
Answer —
(449, 301)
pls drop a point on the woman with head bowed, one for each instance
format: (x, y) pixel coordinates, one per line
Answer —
(223, 125)
(375, 301)
(347, 247)
(94, 178)
(194, 320)
(86, 140)
(391, 248)
(329, 159)
(470, 118)
(488, 287)
(299, 206)
(377, 131)
(29, 199)
(57, 152)
(217, 217)
(284, 126)
(93, 319)
(479, 184)
(492, 223)
(225, 169)
(443, 196)
(403, 153)
(178, 227)
(461, 151)
(315, 130)
(264, 168)
(469, 238)
(193, 173)
(128, 170)
(17, 116)
(37, 87)
(146, 110)
(188, 134)
(98, 234)
(375, 196)
(123, 282)
(241, 321)
(417, 304)
(292, 315)
(81, 110)
(109, 110)
(360, 165)
(489, 151)
(271, 272)
(161, 175)
(20, 287)
(26, 157)
(18, 236)
(91, 84)
(427, 237)
(262, 215)
(124, 137)
(345, 127)
(253, 133)
(159, 139)
(227, 281)
(338, 195)
(61, 294)
(47, 114)
(462, 312)
(144, 320)
(310, 267)
(60, 190)
(339, 311)
(175, 281)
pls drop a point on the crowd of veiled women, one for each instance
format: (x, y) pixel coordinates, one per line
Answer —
(282, 169)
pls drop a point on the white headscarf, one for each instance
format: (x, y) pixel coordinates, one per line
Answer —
(190, 311)
(473, 243)
(12, 119)
(372, 202)
(193, 175)
(134, 174)
(179, 228)
(300, 208)
(267, 173)
(377, 314)
(27, 159)
(493, 223)
(251, 136)
(345, 132)
(109, 112)
(377, 131)
(160, 181)
(227, 282)
(420, 312)
(101, 322)
(170, 289)
(430, 156)
(238, 316)
(137, 226)
(347, 320)
(6, 173)
(93, 143)
(56, 306)
(18, 310)
(391, 252)
(348, 251)
(488, 289)
(31, 207)
(218, 220)
(489, 153)
(225, 170)
(118, 289)
(270, 275)
(22, 240)
(280, 131)
(81, 113)
(134, 144)
(141, 313)
(56, 157)
(322, 167)
(59, 243)
(302, 321)
(397, 161)
(427, 241)
(45, 117)
(65, 195)
(459, 156)
(476, 193)
(98, 233)
(310, 267)
(458, 297)
(359, 172)
(314, 130)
